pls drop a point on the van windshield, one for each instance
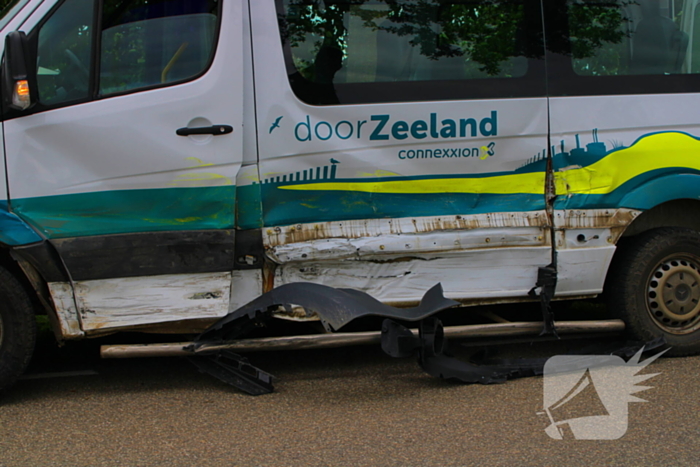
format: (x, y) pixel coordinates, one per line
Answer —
(10, 11)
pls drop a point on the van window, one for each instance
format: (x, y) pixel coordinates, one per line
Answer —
(145, 43)
(64, 53)
(621, 47)
(635, 38)
(338, 51)
(695, 57)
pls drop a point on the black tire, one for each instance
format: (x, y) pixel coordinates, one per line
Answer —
(654, 286)
(17, 329)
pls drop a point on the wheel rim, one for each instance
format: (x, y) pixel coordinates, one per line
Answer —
(673, 294)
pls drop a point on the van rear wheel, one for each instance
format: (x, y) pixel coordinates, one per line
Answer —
(17, 329)
(654, 286)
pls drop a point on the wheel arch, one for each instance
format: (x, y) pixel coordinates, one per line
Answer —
(679, 212)
(682, 212)
(661, 190)
(639, 262)
(12, 265)
(33, 284)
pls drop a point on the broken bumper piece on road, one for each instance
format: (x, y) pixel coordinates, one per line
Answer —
(430, 346)
(336, 308)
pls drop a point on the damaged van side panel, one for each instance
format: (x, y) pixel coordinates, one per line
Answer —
(386, 180)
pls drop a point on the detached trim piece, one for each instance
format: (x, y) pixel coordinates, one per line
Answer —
(431, 345)
(335, 308)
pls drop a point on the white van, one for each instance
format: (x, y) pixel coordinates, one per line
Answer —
(169, 161)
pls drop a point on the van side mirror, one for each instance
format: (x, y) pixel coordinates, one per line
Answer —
(18, 75)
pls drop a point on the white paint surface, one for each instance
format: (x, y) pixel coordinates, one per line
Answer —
(132, 301)
(473, 275)
(62, 295)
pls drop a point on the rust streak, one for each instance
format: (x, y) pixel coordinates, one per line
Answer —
(617, 220)
(371, 228)
(268, 276)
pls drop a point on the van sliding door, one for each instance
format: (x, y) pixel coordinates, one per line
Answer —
(403, 144)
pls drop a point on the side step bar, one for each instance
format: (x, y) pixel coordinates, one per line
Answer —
(344, 339)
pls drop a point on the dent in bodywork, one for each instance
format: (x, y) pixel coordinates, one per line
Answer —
(407, 245)
(66, 310)
(591, 178)
(364, 228)
(627, 177)
(493, 274)
(395, 260)
(13, 230)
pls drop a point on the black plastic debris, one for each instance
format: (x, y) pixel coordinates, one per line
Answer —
(338, 307)
(431, 348)
(334, 307)
(430, 345)
(547, 284)
(235, 370)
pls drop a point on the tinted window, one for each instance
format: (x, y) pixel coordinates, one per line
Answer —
(600, 47)
(63, 53)
(145, 43)
(640, 37)
(142, 44)
(348, 51)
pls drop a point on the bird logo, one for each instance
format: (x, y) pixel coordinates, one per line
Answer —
(276, 124)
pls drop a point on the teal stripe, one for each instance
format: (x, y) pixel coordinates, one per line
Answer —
(173, 209)
(127, 211)
(283, 207)
(642, 192)
(249, 207)
(13, 231)
(661, 190)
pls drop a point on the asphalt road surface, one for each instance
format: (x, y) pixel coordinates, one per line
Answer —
(352, 406)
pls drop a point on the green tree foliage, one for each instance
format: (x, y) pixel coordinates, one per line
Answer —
(486, 32)
(594, 24)
(5, 3)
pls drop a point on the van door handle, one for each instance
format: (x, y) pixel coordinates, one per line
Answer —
(205, 130)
